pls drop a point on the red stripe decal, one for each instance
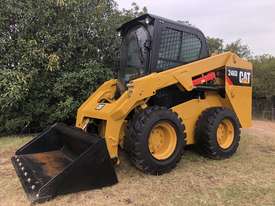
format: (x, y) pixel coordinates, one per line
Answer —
(228, 80)
(208, 77)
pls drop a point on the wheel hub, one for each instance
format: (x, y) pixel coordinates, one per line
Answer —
(162, 140)
(225, 134)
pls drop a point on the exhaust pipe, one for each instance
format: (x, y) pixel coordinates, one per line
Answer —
(63, 160)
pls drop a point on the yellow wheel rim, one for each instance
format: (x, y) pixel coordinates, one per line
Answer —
(162, 140)
(225, 134)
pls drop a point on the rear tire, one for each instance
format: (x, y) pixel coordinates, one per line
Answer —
(150, 125)
(217, 133)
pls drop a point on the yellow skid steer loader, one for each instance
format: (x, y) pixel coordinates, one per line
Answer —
(169, 93)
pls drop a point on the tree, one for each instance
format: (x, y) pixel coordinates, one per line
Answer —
(215, 45)
(52, 55)
(135, 10)
(264, 75)
(240, 49)
(263, 83)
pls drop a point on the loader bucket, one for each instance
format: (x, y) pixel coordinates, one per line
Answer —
(63, 160)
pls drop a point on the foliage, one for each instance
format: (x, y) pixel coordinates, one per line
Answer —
(216, 45)
(240, 49)
(264, 75)
(52, 55)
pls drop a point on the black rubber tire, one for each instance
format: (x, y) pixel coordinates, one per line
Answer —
(136, 140)
(206, 133)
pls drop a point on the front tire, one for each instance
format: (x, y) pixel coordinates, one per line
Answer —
(155, 140)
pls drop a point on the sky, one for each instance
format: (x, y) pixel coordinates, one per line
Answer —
(252, 21)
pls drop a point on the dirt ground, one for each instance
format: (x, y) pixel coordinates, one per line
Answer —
(261, 128)
(248, 178)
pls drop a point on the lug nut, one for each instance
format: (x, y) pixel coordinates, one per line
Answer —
(25, 174)
(20, 164)
(33, 187)
(29, 180)
(37, 195)
(17, 160)
(22, 168)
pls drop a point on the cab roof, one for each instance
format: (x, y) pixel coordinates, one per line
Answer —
(156, 18)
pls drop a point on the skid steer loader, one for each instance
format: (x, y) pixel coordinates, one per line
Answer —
(169, 93)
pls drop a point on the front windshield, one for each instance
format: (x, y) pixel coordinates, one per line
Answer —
(133, 54)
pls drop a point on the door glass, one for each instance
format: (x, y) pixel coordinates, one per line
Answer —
(134, 53)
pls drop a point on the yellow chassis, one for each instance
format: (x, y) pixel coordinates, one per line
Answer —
(115, 112)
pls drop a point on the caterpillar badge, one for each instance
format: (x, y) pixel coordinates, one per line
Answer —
(169, 93)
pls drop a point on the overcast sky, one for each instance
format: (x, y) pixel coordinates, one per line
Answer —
(253, 21)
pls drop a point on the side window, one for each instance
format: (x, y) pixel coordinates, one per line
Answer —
(176, 48)
(191, 47)
(170, 44)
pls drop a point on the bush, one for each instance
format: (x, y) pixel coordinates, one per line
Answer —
(52, 55)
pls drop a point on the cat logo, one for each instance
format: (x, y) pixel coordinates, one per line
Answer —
(244, 77)
(100, 106)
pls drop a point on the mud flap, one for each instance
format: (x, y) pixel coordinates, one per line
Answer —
(63, 160)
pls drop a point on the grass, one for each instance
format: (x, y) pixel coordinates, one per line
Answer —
(12, 141)
(248, 178)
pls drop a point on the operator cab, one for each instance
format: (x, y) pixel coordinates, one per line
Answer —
(153, 44)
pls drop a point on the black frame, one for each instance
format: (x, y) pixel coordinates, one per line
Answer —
(159, 24)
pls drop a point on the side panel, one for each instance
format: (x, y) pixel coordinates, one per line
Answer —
(190, 111)
(238, 76)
